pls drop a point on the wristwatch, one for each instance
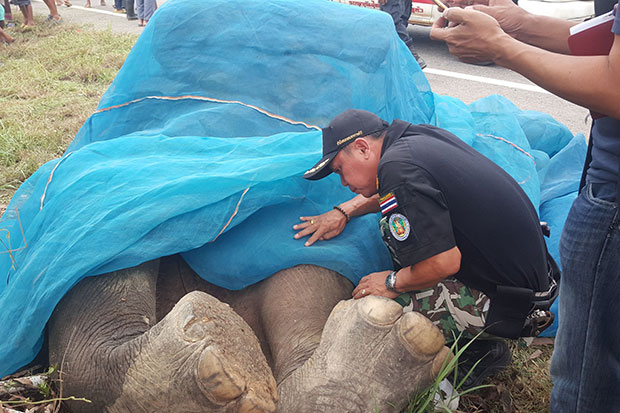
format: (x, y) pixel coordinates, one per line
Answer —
(390, 282)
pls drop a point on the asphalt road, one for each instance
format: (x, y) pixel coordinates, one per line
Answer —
(446, 74)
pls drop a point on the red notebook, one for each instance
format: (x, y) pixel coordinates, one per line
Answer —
(592, 37)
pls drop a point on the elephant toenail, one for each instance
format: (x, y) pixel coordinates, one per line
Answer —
(441, 359)
(221, 385)
(380, 310)
(420, 335)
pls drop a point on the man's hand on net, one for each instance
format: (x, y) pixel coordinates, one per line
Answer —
(320, 227)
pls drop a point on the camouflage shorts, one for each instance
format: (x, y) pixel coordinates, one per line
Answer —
(453, 307)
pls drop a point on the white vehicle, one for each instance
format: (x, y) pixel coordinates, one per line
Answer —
(426, 12)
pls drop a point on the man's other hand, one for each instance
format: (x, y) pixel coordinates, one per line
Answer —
(322, 227)
(509, 16)
(472, 36)
(374, 284)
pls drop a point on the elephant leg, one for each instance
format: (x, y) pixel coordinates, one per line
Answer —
(200, 357)
(295, 304)
(370, 358)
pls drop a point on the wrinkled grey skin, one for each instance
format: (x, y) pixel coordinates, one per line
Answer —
(157, 338)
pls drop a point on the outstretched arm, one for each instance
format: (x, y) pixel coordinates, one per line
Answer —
(548, 33)
(589, 81)
(420, 276)
(332, 223)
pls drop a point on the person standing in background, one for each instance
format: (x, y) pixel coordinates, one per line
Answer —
(145, 9)
(131, 13)
(400, 10)
(119, 6)
(26, 8)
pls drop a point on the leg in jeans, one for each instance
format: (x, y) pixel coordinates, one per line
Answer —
(585, 367)
(140, 8)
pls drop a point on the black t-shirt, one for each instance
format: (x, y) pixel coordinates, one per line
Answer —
(437, 192)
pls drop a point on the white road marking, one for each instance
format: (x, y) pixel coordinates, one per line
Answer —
(488, 80)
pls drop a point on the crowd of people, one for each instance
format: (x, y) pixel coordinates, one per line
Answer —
(140, 10)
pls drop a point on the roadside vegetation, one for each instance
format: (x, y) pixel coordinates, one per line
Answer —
(51, 80)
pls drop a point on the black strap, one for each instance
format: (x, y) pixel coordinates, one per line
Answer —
(618, 187)
(586, 164)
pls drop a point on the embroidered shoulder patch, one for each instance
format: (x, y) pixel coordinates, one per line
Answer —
(387, 203)
(399, 226)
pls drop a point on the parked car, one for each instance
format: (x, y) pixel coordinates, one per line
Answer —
(426, 12)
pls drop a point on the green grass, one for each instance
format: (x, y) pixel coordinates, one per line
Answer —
(51, 80)
(523, 387)
(424, 402)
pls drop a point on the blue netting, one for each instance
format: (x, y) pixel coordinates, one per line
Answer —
(199, 146)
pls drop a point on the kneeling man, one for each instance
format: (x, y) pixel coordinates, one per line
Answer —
(465, 239)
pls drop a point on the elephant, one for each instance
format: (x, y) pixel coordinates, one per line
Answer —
(157, 337)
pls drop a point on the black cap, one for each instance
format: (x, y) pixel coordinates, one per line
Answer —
(341, 131)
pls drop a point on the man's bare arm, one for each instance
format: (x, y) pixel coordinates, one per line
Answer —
(548, 33)
(331, 223)
(423, 275)
(589, 81)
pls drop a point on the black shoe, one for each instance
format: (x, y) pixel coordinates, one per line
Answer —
(134, 17)
(494, 356)
(417, 57)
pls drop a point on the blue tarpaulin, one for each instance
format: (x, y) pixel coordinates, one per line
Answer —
(199, 145)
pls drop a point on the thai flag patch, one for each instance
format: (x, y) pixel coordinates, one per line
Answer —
(387, 203)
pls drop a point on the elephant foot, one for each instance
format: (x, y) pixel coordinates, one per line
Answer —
(371, 358)
(200, 357)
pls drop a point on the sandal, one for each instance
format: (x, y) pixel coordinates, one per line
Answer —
(68, 3)
(50, 19)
